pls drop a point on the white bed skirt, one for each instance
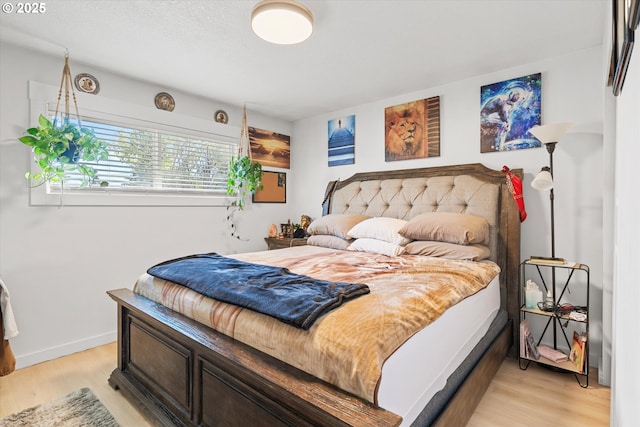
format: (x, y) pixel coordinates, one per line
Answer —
(421, 366)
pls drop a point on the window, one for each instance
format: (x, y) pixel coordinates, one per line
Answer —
(155, 158)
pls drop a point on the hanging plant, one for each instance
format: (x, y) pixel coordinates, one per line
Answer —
(61, 148)
(244, 175)
(62, 145)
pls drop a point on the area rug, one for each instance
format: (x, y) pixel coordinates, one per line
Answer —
(77, 409)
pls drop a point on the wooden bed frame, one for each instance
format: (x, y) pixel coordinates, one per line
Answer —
(180, 372)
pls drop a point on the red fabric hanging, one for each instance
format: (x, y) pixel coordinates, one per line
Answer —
(515, 185)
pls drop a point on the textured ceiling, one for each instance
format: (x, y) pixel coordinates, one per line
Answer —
(360, 51)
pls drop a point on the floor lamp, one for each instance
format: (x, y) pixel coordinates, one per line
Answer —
(549, 135)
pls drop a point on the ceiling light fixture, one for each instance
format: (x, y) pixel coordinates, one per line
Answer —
(281, 21)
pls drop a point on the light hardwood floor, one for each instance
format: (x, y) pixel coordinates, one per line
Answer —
(535, 397)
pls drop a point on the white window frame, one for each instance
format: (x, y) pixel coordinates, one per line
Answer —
(41, 95)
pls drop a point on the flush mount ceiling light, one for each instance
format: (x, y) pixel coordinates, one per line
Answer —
(281, 21)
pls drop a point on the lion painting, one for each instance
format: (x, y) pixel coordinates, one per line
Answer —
(412, 130)
(405, 132)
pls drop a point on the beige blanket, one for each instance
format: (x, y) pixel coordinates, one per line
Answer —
(348, 346)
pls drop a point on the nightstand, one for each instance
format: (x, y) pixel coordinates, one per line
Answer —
(286, 242)
(571, 320)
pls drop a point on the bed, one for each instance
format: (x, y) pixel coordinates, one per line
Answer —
(181, 371)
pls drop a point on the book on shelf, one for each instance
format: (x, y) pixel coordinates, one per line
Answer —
(547, 260)
(578, 345)
(532, 347)
(524, 327)
(528, 347)
(552, 354)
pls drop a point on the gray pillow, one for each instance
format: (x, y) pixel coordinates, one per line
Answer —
(335, 224)
(463, 229)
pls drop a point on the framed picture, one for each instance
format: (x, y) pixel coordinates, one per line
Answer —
(342, 140)
(634, 14)
(625, 21)
(164, 101)
(412, 130)
(269, 148)
(221, 116)
(508, 109)
(274, 188)
(87, 83)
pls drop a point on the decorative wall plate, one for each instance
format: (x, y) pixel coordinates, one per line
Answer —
(221, 117)
(87, 83)
(164, 101)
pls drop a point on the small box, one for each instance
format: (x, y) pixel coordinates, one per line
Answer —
(532, 298)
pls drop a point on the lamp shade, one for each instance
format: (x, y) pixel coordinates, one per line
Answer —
(281, 21)
(543, 180)
(550, 133)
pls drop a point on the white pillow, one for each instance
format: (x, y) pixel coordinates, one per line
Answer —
(380, 228)
(376, 246)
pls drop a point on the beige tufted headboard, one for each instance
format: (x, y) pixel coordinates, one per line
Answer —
(405, 198)
(471, 188)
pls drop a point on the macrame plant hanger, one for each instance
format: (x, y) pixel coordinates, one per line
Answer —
(243, 145)
(243, 150)
(66, 82)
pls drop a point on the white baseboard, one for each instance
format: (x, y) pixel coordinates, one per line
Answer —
(22, 361)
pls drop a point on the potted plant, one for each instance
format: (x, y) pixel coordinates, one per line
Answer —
(60, 148)
(244, 177)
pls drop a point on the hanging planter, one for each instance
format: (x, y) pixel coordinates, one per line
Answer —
(245, 175)
(63, 145)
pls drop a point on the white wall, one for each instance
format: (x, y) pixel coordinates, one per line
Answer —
(626, 291)
(58, 263)
(572, 90)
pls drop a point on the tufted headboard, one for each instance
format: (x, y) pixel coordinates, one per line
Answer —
(471, 188)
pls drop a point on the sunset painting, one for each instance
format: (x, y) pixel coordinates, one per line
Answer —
(270, 149)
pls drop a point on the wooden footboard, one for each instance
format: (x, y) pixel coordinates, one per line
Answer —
(179, 372)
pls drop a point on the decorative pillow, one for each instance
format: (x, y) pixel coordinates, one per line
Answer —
(463, 229)
(448, 250)
(380, 228)
(376, 246)
(335, 224)
(331, 242)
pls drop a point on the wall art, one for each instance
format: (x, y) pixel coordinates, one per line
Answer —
(342, 140)
(626, 15)
(412, 130)
(269, 148)
(164, 101)
(274, 188)
(221, 116)
(86, 83)
(508, 110)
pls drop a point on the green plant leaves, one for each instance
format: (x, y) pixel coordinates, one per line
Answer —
(51, 145)
(244, 177)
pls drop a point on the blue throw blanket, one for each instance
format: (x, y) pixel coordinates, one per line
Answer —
(292, 298)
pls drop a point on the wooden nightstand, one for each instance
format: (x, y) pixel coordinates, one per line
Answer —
(287, 242)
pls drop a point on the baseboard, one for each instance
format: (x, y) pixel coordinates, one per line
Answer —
(24, 360)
